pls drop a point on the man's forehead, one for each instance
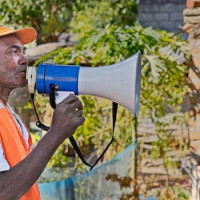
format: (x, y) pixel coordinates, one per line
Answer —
(10, 40)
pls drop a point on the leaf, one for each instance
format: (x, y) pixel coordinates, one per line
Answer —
(156, 65)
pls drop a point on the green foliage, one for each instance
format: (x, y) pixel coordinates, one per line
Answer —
(35, 137)
(49, 18)
(95, 15)
(163, 78)
(174, 193)
(163, 75)
(163, 145)
(60, 158)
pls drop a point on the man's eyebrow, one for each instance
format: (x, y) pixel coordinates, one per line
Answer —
(17, 47)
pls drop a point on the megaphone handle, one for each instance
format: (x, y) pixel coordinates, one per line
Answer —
(52, 89)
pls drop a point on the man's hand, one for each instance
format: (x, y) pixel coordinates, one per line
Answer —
(67, 117)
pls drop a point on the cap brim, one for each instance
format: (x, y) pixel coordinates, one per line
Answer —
(26, 35)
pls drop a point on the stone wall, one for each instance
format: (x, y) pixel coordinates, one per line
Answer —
(162, 14)
(192, 28)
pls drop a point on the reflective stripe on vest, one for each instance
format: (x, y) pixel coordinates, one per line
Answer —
(14, 146)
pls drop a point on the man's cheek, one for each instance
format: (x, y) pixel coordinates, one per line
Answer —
(15, 60)
(4, 64)
(10, 62)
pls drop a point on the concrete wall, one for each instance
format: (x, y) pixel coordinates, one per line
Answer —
(162, 14)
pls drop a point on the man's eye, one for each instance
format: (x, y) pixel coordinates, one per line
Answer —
(15, 51)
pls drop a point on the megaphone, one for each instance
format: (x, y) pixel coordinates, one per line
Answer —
(119, 82)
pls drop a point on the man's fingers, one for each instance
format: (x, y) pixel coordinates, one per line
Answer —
(76, 105)
(70, 99)
(80, 120)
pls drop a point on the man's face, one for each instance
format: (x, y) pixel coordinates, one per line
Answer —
(13, 64)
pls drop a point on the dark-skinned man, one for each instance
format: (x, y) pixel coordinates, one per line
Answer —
(20, 167)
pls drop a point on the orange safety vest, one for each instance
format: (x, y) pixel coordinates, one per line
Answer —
(14, 146)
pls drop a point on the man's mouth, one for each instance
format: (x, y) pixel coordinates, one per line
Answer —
(21, 69)
(23, 72)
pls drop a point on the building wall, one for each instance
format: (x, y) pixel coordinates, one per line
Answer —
(162, 14)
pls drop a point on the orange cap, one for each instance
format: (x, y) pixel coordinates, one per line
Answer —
(26, 35)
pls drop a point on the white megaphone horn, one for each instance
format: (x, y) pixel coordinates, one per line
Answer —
(119, 82)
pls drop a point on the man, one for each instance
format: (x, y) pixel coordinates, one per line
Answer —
(20, 168)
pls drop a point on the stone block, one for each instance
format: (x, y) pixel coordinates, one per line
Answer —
(194, 36)
(168, 7)
(168, 1)
(176, 16)
(146, 17)
(167, 25)
(171, 7)
(193, 3)
(196, 61)
(160, 16)
(151, 23)
(180, 7)
(195, 51)
(192, 19)
(156, 12)
(192, 74)
(195, 144)
(149, 8)
(192, 12)
(195, 82)
(162, 1)
(195, 135)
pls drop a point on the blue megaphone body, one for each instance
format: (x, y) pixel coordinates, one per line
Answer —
(66, 77)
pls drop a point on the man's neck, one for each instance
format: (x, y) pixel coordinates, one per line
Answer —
(4, 94)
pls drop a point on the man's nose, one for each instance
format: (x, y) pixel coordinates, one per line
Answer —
(23, 60)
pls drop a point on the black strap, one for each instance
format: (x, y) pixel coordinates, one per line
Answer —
(114, 114)
(72, 140)
(76, 148)
(38, 123)
(52, 89)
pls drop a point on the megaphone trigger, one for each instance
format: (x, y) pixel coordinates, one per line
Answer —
(61, 95)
